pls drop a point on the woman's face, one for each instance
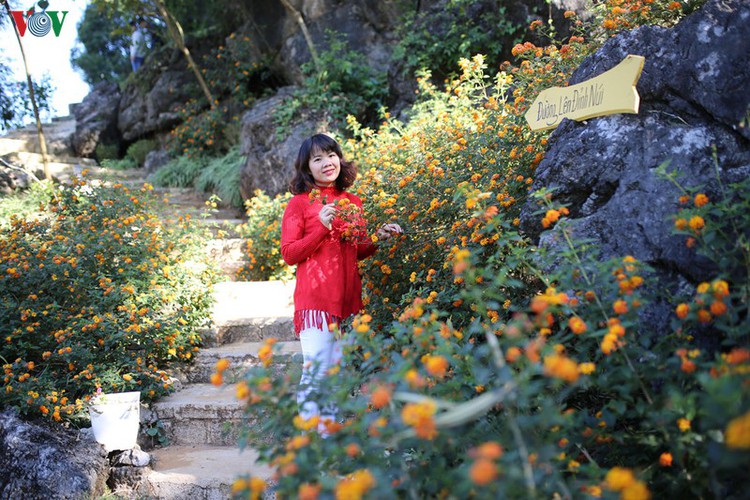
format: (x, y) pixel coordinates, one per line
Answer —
(324, 167)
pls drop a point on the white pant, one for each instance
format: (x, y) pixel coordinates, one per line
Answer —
(320, 351)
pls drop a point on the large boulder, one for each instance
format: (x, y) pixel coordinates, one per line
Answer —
(151, 102)
(366, 26)
(695, 93)
(37, 462)
(269, 163)
(96, 120)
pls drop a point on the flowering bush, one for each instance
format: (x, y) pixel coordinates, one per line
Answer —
(97, 293)
(485, 367)
(262, 233)
(567, 393)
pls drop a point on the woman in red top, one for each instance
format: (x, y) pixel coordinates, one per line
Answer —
(322, 233)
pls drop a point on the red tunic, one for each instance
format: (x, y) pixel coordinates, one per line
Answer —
(328, 287)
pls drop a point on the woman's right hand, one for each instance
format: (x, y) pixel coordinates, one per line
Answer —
(327, 214)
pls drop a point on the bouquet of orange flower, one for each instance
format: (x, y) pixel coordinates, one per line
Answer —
(349, 223)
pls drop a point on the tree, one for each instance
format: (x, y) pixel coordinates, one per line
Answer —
(40, 132)
(103, 53)
(158, 9)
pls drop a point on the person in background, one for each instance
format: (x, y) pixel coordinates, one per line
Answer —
(323, 233)
(138, 44)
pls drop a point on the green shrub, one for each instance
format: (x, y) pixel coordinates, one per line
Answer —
(221, 176)
(263, 234)
(24, 204)
(126, 163)
(566, 393)
(101, 295)
(201, 132)
(139, 149)
(345, 84)
(460, 35)
(106, 152)
(179, 172)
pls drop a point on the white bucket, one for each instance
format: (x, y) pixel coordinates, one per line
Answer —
(115, 419)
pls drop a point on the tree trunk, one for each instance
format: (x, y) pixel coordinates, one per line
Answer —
(30, 85)
(301, 21)
(176, 33)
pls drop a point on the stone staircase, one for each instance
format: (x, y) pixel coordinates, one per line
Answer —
(200, 421)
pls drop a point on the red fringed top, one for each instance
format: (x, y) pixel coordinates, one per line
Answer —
(328, 286)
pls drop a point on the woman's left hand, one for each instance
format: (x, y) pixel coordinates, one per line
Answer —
(387, 230)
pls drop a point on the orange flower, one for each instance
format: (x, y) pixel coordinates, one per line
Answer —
(420, 416)
(308, 491)
(704, 316)
(436, 366)
(490, 450)
(609, 343)
(483, 472)
(380, 397)
(700, 199)
(512, 354)
(738, 356)
(682, 310)
(737, 434)
(687, 366)
(681, 224)
(718, 308)
(577, 325)
(665, 459)
(355, 485)
(696, 223)
(620, 307)
(721, 289)
(561, 367)
(352, 450)
(222, 365)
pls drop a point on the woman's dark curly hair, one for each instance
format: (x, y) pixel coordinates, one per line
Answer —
(303, 181)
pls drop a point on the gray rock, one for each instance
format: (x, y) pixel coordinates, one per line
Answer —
(40, 462)
(155, 159)
(269, 164)
(134, 458)
(695, 90)
(96, 120)
(151, 102)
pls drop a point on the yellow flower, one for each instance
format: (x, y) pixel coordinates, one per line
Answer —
(577, 325)
(561, 367)
(619, 478)
(636, 491)
(419, 416)
(436, 366)
(737, 434)
(354, 485)
(683, 424)
(586, 368)
(696, 223)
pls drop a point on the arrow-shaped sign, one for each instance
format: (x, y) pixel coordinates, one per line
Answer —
(611, 92)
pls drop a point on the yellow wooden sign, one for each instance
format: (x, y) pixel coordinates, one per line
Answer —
(611, 92)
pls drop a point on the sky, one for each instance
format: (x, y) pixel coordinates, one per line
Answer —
(49, 54)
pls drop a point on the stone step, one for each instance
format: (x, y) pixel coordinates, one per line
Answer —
(251, 329)
(242, 356)
(200, 414)
(199, 473)
(248, 311)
